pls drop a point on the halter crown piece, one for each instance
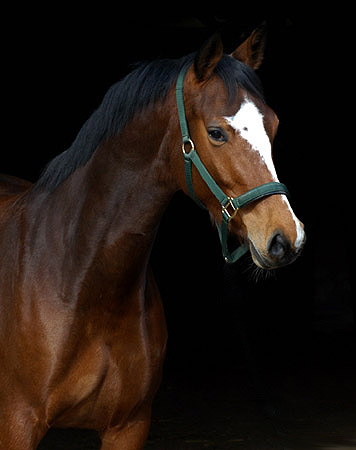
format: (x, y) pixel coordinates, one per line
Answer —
(229, 205)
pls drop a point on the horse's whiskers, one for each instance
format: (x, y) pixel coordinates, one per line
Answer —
(257, 274)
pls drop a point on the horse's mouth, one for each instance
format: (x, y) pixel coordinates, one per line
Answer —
(267, 263)
(258, 259)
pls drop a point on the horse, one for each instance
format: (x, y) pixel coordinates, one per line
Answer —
(82, 327)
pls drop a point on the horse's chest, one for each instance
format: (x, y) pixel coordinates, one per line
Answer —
(113, 375)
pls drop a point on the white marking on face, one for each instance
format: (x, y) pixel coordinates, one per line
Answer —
(248, 122)
(299, 230)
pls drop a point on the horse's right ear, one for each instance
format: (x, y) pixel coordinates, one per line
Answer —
(208, 57)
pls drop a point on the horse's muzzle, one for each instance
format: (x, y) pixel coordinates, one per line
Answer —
(279, 252)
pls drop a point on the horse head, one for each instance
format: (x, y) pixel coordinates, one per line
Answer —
(233, 130)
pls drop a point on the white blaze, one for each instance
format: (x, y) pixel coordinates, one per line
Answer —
(248, 122)
(300, 232)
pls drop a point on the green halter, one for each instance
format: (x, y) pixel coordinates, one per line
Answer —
(229, 205)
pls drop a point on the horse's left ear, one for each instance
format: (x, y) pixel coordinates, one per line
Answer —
(251, 51)
(208, 57)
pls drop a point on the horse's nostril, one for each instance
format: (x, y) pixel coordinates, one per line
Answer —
(278, 246)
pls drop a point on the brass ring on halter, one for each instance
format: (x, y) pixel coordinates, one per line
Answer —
(191, 143)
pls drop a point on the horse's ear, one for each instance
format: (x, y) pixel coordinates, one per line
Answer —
(251, 51)
(208, 57)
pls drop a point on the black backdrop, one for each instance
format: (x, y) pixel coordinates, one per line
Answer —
(56, 67)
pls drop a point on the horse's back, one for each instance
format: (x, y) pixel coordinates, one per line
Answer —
(10, 185)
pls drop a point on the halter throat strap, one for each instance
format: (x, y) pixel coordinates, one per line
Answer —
(229, 205)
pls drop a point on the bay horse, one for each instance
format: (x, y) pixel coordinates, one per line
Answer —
(82, 328)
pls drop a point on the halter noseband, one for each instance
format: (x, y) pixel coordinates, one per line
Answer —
(229, 205)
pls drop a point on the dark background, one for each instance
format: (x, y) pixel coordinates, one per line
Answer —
(295, 327)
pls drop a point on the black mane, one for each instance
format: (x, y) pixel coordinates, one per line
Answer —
(148, 83)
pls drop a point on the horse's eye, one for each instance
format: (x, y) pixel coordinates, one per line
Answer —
(217, 135)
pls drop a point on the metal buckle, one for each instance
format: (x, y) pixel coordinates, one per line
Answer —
(224, 209)
(191, 143)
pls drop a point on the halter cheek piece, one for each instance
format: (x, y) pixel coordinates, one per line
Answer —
(229, 205)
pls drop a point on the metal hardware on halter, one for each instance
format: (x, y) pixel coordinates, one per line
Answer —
(190, 142)
(224, 208)
(229, 205)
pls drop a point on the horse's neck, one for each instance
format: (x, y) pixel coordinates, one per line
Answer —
(127, 199)
(106, 213)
